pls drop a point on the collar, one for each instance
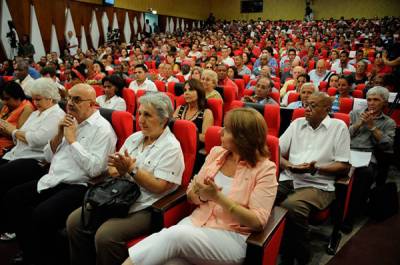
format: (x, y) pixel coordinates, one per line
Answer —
(160, 139)
(326, 122)
(91, 120)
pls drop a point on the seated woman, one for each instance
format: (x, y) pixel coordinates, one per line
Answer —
(232, 73)
(333, 80)
(153, 159)
(234, 193)
(195, 108)
(31, 137)
(15, 111)
(305, 92)
(96, 73)
(112, 98)
(343, 91)
(262, 94)
(209, 79)
(196, 73)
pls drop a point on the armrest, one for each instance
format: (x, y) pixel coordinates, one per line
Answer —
(260, 239)
(263, 247)
(170, 200)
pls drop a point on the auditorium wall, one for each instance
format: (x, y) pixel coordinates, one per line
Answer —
(195, 9)
(294, 9)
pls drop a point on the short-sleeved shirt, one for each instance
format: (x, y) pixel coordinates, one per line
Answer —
(115, 103)
(163, 159)
(147, 85)
(328, 143)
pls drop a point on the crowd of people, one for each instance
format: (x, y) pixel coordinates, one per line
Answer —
(50, 155)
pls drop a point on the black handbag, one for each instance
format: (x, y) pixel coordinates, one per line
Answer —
(108, 199)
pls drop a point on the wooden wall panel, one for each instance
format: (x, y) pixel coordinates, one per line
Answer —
(50, 12)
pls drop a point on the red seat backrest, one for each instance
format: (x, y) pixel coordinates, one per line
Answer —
(298, 113)
(273, 147)
(128, 81)
(160, 85)
(99, 90)
(332, 91)
(323, 85)
(246, 79)
(290, 87)
(229, 96)
(342, 116)
(130, 99)
(181, 78)
(122, 122)
(237, 104)
(240, 85)
(357, 94)
(276, 96)
(215, 105)
(293, 97)
(360, 87)
(345, 105)
(272, 117)
(186, 133)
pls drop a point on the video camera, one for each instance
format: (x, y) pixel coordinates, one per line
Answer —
(113, 36)
(11, 36)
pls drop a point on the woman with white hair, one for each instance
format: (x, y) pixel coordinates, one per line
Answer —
(30, 139)
(209, 78)
(153, 159)
(370, 131)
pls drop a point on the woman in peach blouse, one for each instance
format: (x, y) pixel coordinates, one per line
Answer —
(13, 114)
(234, 193)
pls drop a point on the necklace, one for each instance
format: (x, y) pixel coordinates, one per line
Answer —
(191, 118)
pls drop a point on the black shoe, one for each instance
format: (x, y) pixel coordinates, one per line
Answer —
(334, 244)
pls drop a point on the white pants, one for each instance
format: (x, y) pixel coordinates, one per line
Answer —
(185, 243)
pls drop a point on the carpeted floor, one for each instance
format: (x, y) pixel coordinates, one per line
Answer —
(374, 244)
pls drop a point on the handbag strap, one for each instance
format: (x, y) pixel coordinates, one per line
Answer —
(84, 222)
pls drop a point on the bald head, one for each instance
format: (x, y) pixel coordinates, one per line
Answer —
(321, 67)
(81, 101)
(298, 70)
(85, 90)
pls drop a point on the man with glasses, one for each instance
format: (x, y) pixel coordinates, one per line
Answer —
(78, 153)
(314, 150)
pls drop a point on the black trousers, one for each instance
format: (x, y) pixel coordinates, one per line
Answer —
(14, 173)
(37, 219)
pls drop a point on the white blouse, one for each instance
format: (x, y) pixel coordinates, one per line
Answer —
(115, 103)
(39, 128)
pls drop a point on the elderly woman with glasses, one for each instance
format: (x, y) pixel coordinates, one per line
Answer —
(112, 98)
(153, 159)
(31, 137)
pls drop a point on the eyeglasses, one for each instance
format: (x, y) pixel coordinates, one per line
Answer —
(311, 105)
(208, 67)
(76, 99)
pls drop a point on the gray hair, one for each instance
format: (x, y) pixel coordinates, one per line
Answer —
(46, 88)
(309, 84)
(160, 102)
(383, 92)
(211, 74)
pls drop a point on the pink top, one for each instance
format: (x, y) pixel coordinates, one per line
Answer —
(252, 187)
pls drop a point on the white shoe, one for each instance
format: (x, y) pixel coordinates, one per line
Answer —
(7, 236)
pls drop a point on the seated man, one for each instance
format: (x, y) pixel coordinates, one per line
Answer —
(370, 131)
(320, 73)
(314, 150)
(343, 65)
(141, 81)
(223, 79)
(36, 210)
(263, 89)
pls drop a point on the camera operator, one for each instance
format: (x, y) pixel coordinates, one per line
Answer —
(25, 47)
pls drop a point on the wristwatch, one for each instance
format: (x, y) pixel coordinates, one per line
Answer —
(372, 129)
(133, 172)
